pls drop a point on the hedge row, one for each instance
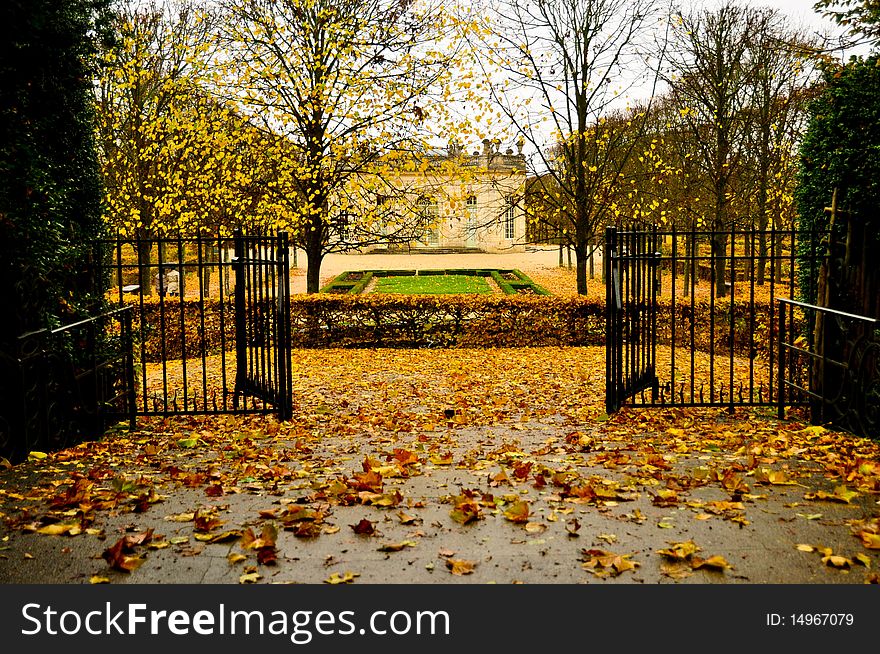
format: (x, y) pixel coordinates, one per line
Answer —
(329, 320)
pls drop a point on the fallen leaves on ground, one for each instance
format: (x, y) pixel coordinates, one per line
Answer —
(502, 447)
(603, 563)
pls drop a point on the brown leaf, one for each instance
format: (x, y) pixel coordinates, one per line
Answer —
(364, 528)
(117, 558)
(215, 490)
(397, 547)
(460, 567)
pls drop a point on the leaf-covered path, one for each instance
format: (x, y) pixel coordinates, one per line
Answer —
(450, 466)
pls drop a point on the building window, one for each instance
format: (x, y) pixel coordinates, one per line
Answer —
(508, 220)
(472, 208)
(430, 215)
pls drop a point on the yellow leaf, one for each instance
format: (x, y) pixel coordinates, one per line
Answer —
(716, 562)
(250, 578)
(518, 512)
(97, 579)
(344, 578)
(836, 561)
(680, 551)
(869, 540)
(55, 530)
(37, 456)
(803, 547)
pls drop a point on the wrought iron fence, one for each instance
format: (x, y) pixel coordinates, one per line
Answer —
(710, 297)
(70, 384)
(829, 361)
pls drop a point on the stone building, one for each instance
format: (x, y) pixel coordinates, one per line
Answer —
(467, 201)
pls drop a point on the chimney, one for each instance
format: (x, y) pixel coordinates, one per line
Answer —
(487, 147)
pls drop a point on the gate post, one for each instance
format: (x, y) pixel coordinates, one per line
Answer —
(612, 348)
(240, 319)
(283, 347)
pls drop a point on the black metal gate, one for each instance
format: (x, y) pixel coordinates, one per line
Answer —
(211, 321)
(262, 321)
(631, 269)
(691, 315)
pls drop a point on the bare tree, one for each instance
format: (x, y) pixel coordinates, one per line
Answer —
(710, 67)
(556, 70)
(348, 86)
(778, 89)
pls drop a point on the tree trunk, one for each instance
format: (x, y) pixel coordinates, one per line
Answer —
(580, 251)
(719, 262)
(314, 256)
(144, 258)
(762, 255)
(592, 261)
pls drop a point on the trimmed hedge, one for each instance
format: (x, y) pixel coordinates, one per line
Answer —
(328, 320)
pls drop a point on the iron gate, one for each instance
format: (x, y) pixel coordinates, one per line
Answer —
(262, 321)
(631, 269)
(691, 315)
(211, 321)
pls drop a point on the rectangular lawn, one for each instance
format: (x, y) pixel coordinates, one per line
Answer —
(433, 285)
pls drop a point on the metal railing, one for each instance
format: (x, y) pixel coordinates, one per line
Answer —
(829, 360)
(72, 383)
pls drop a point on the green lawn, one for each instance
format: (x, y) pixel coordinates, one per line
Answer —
(433, 285)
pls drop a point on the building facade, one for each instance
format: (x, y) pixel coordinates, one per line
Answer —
(468, 201)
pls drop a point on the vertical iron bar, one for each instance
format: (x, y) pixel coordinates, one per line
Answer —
(780, 410)
(119, 267)
(772, 303)
(240, 320)
(673, 308)
(181, 286)
(694, 270)
(128, 344)
(653, 296)
(221, 319)
(285, 372)
(203, 346)
(732, 297)
(752, 325)
(610, 332)
(141, 321)
(712, 288)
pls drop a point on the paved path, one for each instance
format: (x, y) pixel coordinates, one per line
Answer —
(631, 485)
